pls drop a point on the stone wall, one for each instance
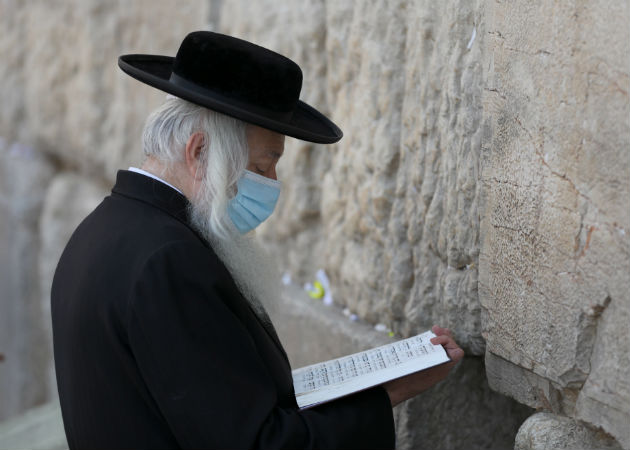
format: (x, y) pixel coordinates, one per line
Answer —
(555, 255)
(69, 119)
(482, 184)
(396, 199)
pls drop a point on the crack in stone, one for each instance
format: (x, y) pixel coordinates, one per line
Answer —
(589, 233)
(497, 34)
(496, 91)
(538, 53)
(551, 170)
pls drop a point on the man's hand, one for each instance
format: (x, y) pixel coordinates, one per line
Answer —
(409, 386)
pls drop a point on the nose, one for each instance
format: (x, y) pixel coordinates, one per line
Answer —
(272, 173)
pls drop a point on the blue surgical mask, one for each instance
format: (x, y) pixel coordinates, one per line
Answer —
(254, 202)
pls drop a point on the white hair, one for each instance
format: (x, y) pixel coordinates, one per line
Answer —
(225, 155)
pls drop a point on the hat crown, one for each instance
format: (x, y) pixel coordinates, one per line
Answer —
(237, 78)
(239, 70)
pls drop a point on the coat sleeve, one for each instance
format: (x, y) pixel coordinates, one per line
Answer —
(206, 376)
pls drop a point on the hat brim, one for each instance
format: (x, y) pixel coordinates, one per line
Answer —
(306, 123)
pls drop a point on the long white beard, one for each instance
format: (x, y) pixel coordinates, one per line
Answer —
(253, 270)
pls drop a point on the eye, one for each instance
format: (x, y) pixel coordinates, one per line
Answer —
(259, 170)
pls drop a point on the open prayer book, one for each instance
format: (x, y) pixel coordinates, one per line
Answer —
(325, 381)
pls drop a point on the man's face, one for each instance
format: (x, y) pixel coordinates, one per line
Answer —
(253, 270)
(265, 149)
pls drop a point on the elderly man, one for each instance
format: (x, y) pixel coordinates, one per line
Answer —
(161, 340)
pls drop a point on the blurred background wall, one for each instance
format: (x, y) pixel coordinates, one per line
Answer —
(483, 183)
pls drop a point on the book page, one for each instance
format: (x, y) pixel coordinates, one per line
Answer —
(338, 377)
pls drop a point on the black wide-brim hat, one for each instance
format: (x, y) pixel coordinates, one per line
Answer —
(236, 78)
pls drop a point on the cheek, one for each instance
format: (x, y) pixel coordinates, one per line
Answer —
(261, 166)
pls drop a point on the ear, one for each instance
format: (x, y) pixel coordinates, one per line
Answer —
(194, 148)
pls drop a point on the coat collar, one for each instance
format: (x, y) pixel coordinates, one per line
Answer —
(154, 192)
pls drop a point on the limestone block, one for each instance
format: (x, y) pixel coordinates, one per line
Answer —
(528, 387)
(24, 176)
(391, 212)
(555, 253)
(462, 412)
(604, 400)
(545, 431)
(400, 200)
(69, 199)
(65, 91)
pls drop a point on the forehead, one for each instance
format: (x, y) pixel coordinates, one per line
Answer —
(263, 142)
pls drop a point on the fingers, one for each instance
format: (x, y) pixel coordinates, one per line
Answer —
(445, 341)
(444, 338)
(439, 331)
(455, 354)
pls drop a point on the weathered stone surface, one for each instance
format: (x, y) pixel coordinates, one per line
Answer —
(390, 211)
(555, 255)
(528, 387)
(69, 199)
(64, 90)
(462, 412)
(400, 213)
(545, 431)
(24, 177)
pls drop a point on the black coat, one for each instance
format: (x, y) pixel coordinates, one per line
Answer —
(155, 347)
